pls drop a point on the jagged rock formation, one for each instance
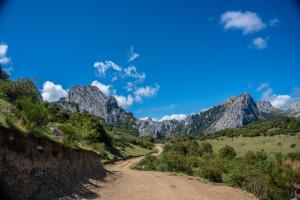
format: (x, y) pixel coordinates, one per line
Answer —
(295, 109)
(239, 111)
(36, 168)
(148, 127)
(156, 129)
(235, 112)
(266, 107)
(92, 100)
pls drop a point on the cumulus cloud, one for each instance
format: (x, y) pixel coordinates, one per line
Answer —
(52, 92)
(3, 51)
(131, 71)
(247, 21)
(102, 67)
(178, 117)
(282, 101)
(132, 55)
(105, 89)
(259, 43)
(124, 101)
(145, 92)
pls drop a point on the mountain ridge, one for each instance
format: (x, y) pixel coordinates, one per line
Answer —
(234, 112)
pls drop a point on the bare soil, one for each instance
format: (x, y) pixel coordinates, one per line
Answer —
(125, 183)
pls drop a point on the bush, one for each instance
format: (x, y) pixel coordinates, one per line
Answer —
(211, 170)
(206, 148)
(20, 89)
(148, 163)
(227, 152)
(90, 128)
(32, 114)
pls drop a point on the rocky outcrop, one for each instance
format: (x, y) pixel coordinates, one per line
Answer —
(235, 112)
(238, 111)
(149, 127)
(295, 109)
(266, 107)
(92, 100)
(36, 168)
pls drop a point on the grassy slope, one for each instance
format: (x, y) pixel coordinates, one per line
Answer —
(266, 143)
(129, 149)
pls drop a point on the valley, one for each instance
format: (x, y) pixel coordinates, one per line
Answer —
(86, 146)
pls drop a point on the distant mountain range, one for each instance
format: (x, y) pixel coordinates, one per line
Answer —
(235, 112)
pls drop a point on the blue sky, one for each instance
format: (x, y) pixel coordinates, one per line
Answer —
(157, 57)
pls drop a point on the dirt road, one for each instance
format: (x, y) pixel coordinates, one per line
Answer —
(128, 184)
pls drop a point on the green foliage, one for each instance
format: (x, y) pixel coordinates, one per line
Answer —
(57, 113)
(33, 114)
(90, 128)
(294, 156)
(70, 134)
(212, 170)
(3, 75)
(268, 176)
(22, 88)
(227, 152)
(206, 148)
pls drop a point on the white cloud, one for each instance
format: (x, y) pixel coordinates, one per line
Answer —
(259, 43)
(274, 22)
(277, 100)
(247, 21)
(130, 86)
(105, 89)
(131, 71)
(102, 67)
(146, 118)
(3, 50)
(178, 117)
(124, 101)
(262, 86)
(52, 92)
(281, 101)
(145, 92)
(132, 55)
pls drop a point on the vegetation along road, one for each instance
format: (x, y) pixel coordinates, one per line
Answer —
(129, 184)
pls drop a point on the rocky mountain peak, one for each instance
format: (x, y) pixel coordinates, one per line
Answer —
(240, 111)
(92, 100)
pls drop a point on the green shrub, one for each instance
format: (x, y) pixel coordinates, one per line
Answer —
(211, 170)
(3, 75)
(206, 148)
(227, 152)
(148, 163)
(33, 114)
